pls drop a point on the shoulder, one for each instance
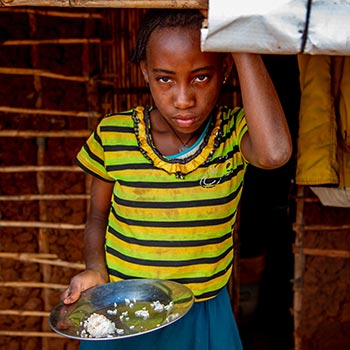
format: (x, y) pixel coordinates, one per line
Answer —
(118, 118)
(120, 121)
(233, 119)
(231, 113)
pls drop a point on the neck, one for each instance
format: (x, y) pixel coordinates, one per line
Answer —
(166, 139)
(184, 140)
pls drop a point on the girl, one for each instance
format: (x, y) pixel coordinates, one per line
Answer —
(167, 179)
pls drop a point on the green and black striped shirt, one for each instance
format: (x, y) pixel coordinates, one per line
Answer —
(171, 217)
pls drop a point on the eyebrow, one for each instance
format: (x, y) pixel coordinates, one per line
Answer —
(160, 70)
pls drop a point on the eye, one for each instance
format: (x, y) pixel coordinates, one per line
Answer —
(164, 80)
(201, 78)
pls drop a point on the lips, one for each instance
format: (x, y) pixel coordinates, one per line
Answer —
(185, 121)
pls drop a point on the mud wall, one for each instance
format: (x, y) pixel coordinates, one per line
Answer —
(60, 72)
(322, 270)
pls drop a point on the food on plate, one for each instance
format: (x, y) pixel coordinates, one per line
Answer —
(130, 317)
(98, 326)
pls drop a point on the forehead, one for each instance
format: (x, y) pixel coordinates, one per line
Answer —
(182, 44)
(185, 36)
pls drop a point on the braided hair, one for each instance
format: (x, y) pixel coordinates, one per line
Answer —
(164, 18)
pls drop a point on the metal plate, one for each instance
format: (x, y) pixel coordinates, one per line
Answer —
(126, 297)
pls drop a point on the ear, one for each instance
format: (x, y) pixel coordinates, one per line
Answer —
(144, 71)
(227, 67)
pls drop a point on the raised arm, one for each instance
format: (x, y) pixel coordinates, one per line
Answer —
(94, 240)
(268, 142)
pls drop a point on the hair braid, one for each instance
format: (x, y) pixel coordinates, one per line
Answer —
(164, 18)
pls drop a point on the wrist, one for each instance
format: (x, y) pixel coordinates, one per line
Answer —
(101, 271)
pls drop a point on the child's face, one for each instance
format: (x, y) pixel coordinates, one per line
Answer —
(184, 81)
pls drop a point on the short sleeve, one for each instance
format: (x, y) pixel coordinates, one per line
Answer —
(241, 129)
(241, 125)
(91, 157)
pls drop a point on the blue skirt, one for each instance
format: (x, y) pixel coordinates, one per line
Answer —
(209, 325)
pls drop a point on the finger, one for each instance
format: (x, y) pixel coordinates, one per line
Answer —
(72, 297)
(72, 294)
(65, 294)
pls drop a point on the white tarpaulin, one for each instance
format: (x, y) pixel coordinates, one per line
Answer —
(278, 26)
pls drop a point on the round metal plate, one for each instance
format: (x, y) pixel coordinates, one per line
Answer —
(119, 302)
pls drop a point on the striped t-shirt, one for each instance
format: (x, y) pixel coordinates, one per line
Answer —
(170, 218)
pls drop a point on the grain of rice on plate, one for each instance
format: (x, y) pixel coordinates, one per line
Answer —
(98, 326)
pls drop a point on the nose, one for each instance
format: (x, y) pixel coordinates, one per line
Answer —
(184, 96)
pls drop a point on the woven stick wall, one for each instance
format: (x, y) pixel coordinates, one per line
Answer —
(62, 70)
(321, 274)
